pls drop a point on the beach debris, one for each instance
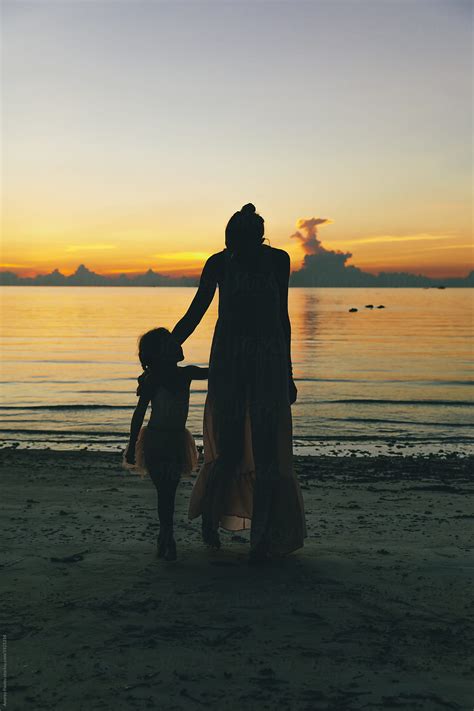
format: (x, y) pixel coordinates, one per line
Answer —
(19, 687)
(448, 488)
(184, 692)
(439, 700)
(353, 310)
(11, 562)
(304, 613)
(147, 678)
(223, 563)
(220, 639)
(17, 630)
(74, 558)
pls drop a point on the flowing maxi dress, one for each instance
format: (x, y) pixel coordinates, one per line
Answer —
(248, 455)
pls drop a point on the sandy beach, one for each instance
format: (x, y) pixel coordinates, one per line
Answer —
(375, 612)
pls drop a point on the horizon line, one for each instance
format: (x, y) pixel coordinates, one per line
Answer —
(117, 274)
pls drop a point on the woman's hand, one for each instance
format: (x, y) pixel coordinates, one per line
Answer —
(293, 391)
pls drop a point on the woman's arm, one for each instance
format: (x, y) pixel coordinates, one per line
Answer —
(283, 271)
(201, 302)
(194, 372)
(137, 421)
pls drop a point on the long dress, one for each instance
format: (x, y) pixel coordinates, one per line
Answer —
(247, 417)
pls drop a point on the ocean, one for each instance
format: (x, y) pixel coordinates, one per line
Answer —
(396, 379)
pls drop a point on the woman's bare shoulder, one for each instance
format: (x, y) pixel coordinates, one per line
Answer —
(214, 264)
(216, 258)
(280, 258)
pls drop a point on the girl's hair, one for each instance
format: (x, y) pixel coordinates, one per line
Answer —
(156, 345)
(244, 231)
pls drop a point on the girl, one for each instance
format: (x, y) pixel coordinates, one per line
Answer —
(164, 449)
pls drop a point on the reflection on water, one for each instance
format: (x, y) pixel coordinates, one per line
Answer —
(403, 372)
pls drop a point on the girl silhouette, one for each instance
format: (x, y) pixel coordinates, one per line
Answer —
(248, 468)
(164, 449)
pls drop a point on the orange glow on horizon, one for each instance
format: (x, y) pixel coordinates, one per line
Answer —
(186, 266)
(431, 254)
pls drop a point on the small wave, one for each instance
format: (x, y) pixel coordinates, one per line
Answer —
(373, 381)
(416, 423)
(122, 392)
(66, 407)
(63, 433)
(67, 361)
(47, 381)
(12, 435)
(368, 401)
(346, 401)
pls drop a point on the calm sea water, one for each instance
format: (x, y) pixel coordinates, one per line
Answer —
(402, 374)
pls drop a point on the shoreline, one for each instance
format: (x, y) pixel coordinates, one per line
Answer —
(334, 448)
(372, 613)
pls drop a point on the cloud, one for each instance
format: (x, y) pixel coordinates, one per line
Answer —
(309, 237)
(328, 267)
(198, 257)
(94, 246)
(380, 239)
(449, 246)
(319, 262)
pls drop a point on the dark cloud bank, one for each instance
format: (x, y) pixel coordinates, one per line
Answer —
(325, 267)
(321, 267)
(84, 277)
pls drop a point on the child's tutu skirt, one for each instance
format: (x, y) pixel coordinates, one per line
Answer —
(160, 452)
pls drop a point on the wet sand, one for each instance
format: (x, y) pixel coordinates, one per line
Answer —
(374, 613)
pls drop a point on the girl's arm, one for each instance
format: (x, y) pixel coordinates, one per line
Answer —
(201, 302)
(137, 421)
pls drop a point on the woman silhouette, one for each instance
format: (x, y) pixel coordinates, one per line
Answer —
(248, 468)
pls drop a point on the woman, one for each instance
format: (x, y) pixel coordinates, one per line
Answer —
(248, 469)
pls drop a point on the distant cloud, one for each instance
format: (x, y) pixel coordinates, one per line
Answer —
(326, 263)
(380, 239)
(327, 267)
(309, 235)
(199, 257)
(94, 246)
(85, 277)
(449, 246)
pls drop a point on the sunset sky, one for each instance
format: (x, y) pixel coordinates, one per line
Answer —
(133, 130)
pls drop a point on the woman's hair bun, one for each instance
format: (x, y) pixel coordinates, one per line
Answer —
(248, 209)
(244, 230)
